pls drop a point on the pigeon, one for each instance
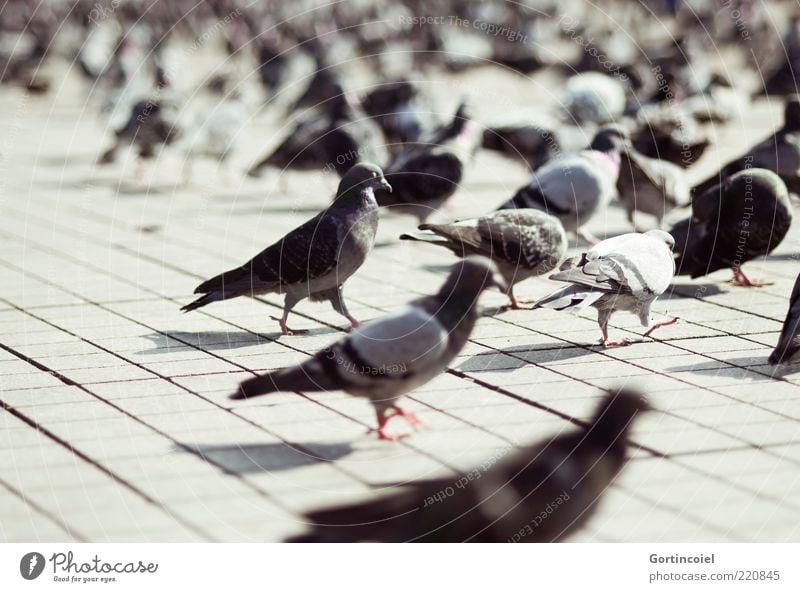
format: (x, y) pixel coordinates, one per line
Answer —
(315, 259)
(651, 186)
(540, 493)
(626, 272)
(153, 121)
(523, 243)
(333, 138)
(786, 352)
(574, 187)
(592, 97)
(401, 111)
(215, 132)
(395, 354)
(744, 217)
(669, 133)
(427, 173)
(779, 153)
(532, 144)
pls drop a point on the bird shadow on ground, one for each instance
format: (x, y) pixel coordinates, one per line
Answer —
(517, 357)
(259, 458)
(679, 291)
(442, 269)
(786, 257)
(737, 366)
(216, 340)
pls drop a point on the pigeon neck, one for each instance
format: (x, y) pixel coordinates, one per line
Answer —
(355, 198)
(457, 307)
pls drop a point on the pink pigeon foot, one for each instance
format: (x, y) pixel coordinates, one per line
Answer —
(286, 329)
(740, 279)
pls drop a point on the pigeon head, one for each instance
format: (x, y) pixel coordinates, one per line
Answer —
(662, 236)
(610, 137)
(363, 176)
(791, 113)
(615, 415)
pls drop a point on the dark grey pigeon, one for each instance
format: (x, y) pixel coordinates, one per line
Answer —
(779, 153)
(315, 259)
(574, 187)
(427, 173)
(627, 272)
(523, 243)
(542, 493)
(395, 354)
(528, 142)
(745, 217)
(401, 110)
(334, 137)
(786, 352)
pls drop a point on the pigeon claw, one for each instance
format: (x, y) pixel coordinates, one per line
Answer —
(658, 325)
(286, 329)
(740, 279)
(618, 343)
(384, 434)
(409, 416)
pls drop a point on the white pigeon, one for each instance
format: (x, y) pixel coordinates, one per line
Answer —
(627, 272)
(395, 354)
(592, 97)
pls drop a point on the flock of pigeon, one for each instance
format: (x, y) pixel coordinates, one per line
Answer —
(645, 118)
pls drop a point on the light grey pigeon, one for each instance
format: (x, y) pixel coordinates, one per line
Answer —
(574, 187)
(315, 259)
(626, 272)
(395, 354)
(786, 352)
(592, 97)
(651, 186)
(523, 243)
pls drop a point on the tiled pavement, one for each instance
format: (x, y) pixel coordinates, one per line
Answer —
(116, 422)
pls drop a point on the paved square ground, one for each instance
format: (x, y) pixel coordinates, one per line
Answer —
(116, 424)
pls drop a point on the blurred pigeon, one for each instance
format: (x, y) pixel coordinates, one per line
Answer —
(427, 173)
(651, 186)
(626, 272)
(323, 85)
(523, 243)
(786, 352)
(779, 153)
(395, 354)
(574, 187)
(745, 217)
(592, 97)
(401, 111)
(529, 142)
(669, 133)
(313, 260)
(334, 137)
(153, 121)
(540, 494)
(215, 132)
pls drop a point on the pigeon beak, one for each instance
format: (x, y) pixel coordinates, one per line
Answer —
(385, 185)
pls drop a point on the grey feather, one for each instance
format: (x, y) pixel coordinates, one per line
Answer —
(524, 243)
